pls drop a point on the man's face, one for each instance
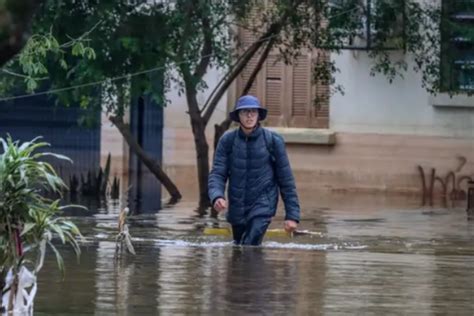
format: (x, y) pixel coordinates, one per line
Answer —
(248, 118)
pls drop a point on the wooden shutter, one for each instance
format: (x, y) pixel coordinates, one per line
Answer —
(274, 91)
(287, 90)
(320, 110)
(245, 75)
(247, 38)
(301, 92)
(309, 103)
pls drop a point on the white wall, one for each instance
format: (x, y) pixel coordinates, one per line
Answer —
(373, 105)
(179, 154)
(178, 143)
(175, 111)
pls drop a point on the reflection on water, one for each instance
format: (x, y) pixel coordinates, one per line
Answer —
(380, 260)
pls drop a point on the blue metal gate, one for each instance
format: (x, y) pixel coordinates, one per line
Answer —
(25, 119)
(146, 124)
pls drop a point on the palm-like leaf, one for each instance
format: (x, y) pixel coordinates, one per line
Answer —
(24, 213)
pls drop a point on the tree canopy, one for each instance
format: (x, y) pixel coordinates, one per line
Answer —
(122, 46)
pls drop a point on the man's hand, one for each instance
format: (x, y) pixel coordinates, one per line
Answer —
(290, 226)
(220, 205)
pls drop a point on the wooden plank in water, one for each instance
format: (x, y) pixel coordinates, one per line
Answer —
(227, 231)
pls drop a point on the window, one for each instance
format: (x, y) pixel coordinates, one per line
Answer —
(457, 46)
(367, 24)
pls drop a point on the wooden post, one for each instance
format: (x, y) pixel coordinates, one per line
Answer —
(470, 200)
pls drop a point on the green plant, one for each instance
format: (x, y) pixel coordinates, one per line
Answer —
(28, 220)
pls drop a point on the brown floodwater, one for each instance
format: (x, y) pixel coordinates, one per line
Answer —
(374, 256)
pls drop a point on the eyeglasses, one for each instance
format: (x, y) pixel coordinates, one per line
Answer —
(247, 112)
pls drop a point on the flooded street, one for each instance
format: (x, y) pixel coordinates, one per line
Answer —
(375, 259)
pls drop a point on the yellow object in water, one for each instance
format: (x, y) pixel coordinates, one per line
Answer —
(218, 231)
(228, 232)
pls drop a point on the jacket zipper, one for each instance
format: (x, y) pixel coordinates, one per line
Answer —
(246, 168)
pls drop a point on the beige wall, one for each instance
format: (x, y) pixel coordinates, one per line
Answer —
(367, 163)
(377, 162)
(383, 131)
(180, 162)
(358, 162)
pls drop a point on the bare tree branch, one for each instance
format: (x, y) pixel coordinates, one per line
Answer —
(150, 163)
(258, 67)
(273, 30)
(223, 80)
(219, 129)
(206, 51)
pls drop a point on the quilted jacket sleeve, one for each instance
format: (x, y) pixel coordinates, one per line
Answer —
(286, 180)
(220, 167)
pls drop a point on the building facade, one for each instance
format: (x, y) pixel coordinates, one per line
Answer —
(377, 137)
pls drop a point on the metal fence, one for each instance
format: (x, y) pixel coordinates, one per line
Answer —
(25, 119)
(146, 125)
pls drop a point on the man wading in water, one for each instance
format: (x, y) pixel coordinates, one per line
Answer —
(255, 162)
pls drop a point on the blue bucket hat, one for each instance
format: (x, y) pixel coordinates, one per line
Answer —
(248, 102)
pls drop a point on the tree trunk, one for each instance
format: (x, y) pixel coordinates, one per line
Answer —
(13, 291)
(258, 67)
(151, 164)
(219, 130)
(3, 275)
(202, 148)
(202, 155)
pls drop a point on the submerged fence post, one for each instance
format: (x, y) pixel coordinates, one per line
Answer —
(470, 200)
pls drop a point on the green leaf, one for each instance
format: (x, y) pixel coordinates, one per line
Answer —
(85, 101)
(41, 255)
(54, 42)
(59, 258)
(58, 156)
(128, 243)
(59, 231)
(41, 69)
(78, 49)
(52, 181)
(90, 53)
(27, 227)
(73, 242)
(63, 64)
(31, 84)
(48, 235)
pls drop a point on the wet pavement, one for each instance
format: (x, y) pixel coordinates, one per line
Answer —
(374, 256)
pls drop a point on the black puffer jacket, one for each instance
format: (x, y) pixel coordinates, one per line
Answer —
(257, 167)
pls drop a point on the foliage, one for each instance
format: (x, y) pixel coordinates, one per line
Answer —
(403, 34)
(29, 221)
(104, 43)
(117, 46)
(396, 34)
(32, 65)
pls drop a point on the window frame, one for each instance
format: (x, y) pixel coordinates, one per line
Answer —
(455, 49)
